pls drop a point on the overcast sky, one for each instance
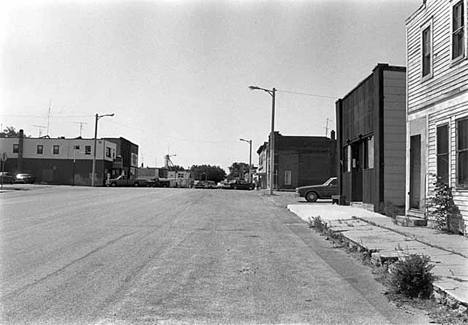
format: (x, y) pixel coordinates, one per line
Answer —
(176, 73)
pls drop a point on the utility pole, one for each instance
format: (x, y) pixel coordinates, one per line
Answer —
(271, 144)
(48, 116)
(326, 128)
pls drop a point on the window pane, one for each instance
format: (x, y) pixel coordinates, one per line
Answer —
(370, 145)
(463, 168)
(442, 139)
(458, 47)
(426, 40)
(462, 129)
(443, 168)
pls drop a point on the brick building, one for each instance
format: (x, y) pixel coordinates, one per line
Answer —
(299, 161)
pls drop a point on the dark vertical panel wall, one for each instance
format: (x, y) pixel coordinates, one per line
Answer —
(359, 115)
(339, 144)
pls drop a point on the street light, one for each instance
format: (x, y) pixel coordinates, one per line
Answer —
(250, 158)
(95, 143)
(272, 93)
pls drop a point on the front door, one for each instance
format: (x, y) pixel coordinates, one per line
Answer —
(415, 172)
(356, 167)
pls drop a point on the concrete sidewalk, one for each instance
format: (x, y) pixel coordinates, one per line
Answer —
(373, 231)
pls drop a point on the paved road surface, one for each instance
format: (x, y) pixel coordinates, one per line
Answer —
(127, 256)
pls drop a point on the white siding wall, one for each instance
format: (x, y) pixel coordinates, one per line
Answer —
(443, 116)
(443, 98)
(447, 77)
(394, 136)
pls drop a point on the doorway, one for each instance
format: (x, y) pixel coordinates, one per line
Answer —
(415, 172)
(356, 167)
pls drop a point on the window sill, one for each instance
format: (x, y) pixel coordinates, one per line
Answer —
(455, 62)
(427, 77)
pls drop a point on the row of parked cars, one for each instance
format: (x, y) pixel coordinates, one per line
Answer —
(9, 178)
(227, 185)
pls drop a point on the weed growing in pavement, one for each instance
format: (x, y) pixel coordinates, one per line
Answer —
(439, 313)
(412, 276)
(317, 223)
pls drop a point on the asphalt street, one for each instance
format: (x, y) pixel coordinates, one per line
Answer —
(76, 255)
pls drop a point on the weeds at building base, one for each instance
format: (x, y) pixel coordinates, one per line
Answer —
(441, 309)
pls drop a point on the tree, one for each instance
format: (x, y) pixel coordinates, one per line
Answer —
(10, 132)
(175, 168)
(209, 173)
(238, 170)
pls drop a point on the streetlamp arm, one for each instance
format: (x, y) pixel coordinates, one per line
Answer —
(271, 92)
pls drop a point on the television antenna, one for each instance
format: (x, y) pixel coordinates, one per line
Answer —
(81, 126)
(40, 127)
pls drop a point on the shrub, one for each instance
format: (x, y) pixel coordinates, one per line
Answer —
(440, 206)
(412, 276)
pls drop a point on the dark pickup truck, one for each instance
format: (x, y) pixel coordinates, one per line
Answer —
(157, 182)
(124, 180)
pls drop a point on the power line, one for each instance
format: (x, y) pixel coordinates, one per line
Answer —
(306, 94)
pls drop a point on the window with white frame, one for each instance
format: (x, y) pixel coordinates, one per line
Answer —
(108, 152)
(56, 149)
(462, 153)
(87, 150)
(458, 30)
(427, 50)
(40, 149)
(15, 148)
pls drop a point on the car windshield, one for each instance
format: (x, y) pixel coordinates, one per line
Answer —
(329, 181)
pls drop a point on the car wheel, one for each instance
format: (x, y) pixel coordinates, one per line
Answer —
(136, 184)
(114, 184)
(311, 197)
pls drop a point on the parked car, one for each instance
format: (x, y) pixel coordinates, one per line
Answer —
(210, 184)
(223, 185)
(241, 185)
(156, 182)
(25, 178)
(200, 184)
(323, 191)
(124, 180)
(7, 178)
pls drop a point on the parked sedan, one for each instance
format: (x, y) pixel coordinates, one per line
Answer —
(25, 178)
(7, 178)
(241, 185)
(323, 191)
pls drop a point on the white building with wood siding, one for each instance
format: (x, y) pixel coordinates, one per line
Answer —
(437, 104)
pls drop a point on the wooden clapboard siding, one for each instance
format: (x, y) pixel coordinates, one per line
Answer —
(443, 98)
(394, 88)
(450, 117)
(446, 75)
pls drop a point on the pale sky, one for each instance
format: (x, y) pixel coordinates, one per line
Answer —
(176, 73)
